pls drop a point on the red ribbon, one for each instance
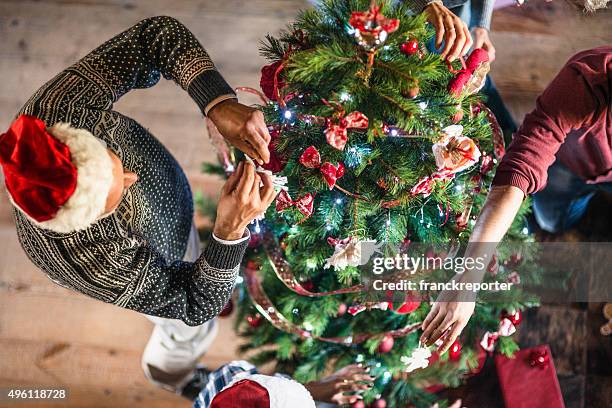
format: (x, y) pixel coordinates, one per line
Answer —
(312, 160)
(337, 133)
(372, 21)
(304, 204)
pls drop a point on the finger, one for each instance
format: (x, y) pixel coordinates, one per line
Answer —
(255, 186)
(491, 51)
(439, 25)
(469, 40)
(451, 337)
(247, 149)
(233, 179)
(430, 316)
(257, 141)
(449, 36)
(446, 323)
(265, 133)
(432, 326)
(246, 181)
(459, 40)
(267, 192)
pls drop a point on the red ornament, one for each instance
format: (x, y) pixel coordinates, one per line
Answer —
(455, 351)
(342, 308)
(413, 92)
(254, 320)
(358, 404)
(458, 116)
(276, 163)
(379, 403)
(304, 204)
(386, 344)
(308, 285)
(337, 133)
(266, 82)
(410, 47)
(312, 159)
(516, 318)
(227, 309)
(539, 358)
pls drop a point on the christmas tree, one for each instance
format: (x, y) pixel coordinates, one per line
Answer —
(379, 140)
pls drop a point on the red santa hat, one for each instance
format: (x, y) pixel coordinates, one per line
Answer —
(59, 177)
(263, 391)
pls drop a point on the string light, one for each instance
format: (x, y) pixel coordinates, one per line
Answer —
(257, 227)
(338, 200)
(308, 326)
(328, 227)
(344, 96)
(394, 132)
(525, 231)
(239, 280)
(288, 114)
(423, 105)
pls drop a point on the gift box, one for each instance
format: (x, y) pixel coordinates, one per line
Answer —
(529, 380)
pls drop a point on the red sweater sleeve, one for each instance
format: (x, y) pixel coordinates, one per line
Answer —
(571, 101)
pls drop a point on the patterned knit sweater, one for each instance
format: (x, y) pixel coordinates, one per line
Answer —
(132, 258)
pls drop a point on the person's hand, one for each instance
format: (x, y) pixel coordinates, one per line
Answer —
(448, 316)
(244, 127)
(451, 29)
(482, 40)
(343, 386)
(246, 195)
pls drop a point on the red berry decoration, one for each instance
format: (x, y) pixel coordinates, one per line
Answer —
(454, 352)
(539, 358)
(379, 403)
(516, 318)
(386, 345)
(254, 321)
(342, 309)
(308, 285)
(358, 404)
(228, 309)
(410, 47)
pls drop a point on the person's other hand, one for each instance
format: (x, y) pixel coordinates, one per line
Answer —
(482, 40)
(246, 195)
(448, 316)
(343, 386)
(451, 29)
(244, 127)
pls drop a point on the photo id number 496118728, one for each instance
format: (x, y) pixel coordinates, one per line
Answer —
(17, 394)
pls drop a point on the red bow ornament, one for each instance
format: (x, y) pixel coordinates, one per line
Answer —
(312, 160)
(471, 78)
(371, 27)
(303, 204)
(337, 133)
(425, 185)
(506, 328)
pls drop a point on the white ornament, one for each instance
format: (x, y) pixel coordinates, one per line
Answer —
(418, 359)
(350, 252)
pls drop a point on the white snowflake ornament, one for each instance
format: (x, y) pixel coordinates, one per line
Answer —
(418, 359)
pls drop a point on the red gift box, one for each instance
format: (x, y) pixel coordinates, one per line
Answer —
(529, 380)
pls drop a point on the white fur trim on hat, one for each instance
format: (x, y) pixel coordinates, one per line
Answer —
(94, 180)
(283, 392)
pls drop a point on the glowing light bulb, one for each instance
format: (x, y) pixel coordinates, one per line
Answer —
(344, 96)
(288, 114)
(394, 132)
(338, 201)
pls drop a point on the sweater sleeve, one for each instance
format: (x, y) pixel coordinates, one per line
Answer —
(157, 46)
(191, 292)
(482, 10)
(571, 101)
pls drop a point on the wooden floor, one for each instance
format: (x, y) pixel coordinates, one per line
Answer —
(52, 337)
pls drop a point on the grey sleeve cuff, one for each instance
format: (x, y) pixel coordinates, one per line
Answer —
(223, 256)
(208, 86)
(482, 11)
(417, 6)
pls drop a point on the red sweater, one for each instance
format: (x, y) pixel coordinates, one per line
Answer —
(572, 122)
